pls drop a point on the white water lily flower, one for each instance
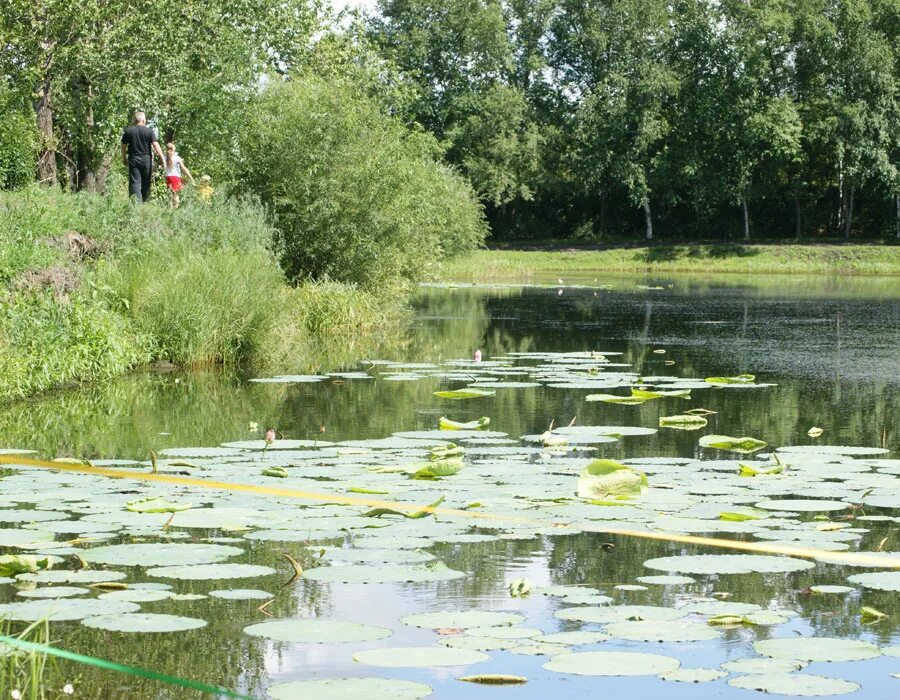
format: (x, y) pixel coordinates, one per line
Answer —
(16, 695)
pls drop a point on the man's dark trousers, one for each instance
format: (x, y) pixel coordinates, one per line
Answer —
(139, 172)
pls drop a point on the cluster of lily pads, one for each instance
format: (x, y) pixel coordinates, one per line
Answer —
(84, 547)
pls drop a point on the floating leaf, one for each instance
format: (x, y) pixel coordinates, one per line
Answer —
(548, 439)
(879, 580)
(796, 684)
(817, 649)
(728, 564)
(763, 665)
(204, 572)
(606, 478)
(693, 675)
(661, 631)
(57, 609)
(700, 412)
(241, 594)
(520, 588)
(343, 688)
(467, 393)
(276, 472)
(739, 379)
(461, 619)
(15, 564)
(160, 554)
(612, 663)
(738, 517)
(683, 421)
(155, 504)
(316, 631)
(143, 622)
(494, 679)
(832, 589)
(748, 470)
(433, 571)
(438, 469)
(672, 393)
(743, 445)
(613, 398)
(815, 432)
(480, 424)
(871, 615)
(416, 515)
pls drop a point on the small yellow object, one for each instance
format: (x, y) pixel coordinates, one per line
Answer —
(815, 432)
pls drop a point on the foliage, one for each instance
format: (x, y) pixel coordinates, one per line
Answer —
(18, 143)
(355, 197)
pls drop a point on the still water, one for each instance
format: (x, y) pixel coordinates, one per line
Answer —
(829, 348)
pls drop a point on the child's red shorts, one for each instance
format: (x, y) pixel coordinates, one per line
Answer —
(173, 182)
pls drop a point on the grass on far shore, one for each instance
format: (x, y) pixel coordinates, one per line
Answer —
(486, 265)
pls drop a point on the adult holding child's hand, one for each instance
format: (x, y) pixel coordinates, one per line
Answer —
(139, 143)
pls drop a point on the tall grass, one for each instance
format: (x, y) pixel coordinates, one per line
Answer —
(197, 285)
(26, 672)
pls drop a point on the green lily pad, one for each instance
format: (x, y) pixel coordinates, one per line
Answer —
(358, 573)
(540, 649)
(64, 609)
(879, 580)
(804, 505)
(693, 675)
(846, 450)
(795, 684)
(504, 632)
(479, 643)
(741, 445)
(468, 393)
(241, 594)
(612, 663)
(727, 564)
(832, 589)
(662, 631)
(54, 592)
(619, 613)
(160, 554)
(12, 537)
(316, 631)
(817, 649)
(62, 576)
(683, 422)
(463, 619)
(419, 657)
(208, 572)
(143, 622)
(343, 688)
(572, 638)
(664, 580)
(764, 666)
(136, 595)
(564, 591)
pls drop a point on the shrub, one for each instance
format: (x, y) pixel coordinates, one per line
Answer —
(355, 196)
(18, 143)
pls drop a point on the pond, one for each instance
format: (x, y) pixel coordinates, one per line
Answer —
(210, 569)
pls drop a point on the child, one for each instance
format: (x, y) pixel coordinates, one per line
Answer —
(174, 167)
(204, 189)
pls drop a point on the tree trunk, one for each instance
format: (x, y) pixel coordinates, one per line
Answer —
(746, 218)
(85, 147)
(648, 218)
(897, 219)
(43, 109)
(848, 221)
(798, 213)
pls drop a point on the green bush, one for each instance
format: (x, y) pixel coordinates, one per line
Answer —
(46, 342)
(355, 196)
(18, 143)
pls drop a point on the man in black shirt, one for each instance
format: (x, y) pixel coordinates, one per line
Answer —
(139, 142)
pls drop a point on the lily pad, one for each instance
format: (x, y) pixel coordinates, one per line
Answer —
(136, 595)
(619, 613)
(208, 572)
(316, 631)
(479, 643)
(662, 631)
(764, 666)
(358, 573)
(160, 554)
(741, 445)
(468, 393)
(728, 564)
(343, 688)
(879, 580)
(832, 589)
(54, 592)
(803, 505)
(504, 632)
(64, 609)
(419, 657)
(693, 675)
(83, 576)
(462, 619)
(664, 580)
(817, 649)
(572, 638)
(795, 684)
(241, 594)
(143, 622)
(682, 422)
(612, 663)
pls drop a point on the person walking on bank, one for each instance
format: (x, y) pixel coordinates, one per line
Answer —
(174, 167)
(139, 142)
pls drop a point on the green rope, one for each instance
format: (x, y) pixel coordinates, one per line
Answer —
(121, 668)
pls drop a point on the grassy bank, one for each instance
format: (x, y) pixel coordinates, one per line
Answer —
(748, 259)
(92, 287)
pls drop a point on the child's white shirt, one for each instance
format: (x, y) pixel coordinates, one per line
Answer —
(175, 169)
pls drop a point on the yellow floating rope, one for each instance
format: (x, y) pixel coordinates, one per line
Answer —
(865, 559)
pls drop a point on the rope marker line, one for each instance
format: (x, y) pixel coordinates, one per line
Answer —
(863, 559)
(121, 668)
